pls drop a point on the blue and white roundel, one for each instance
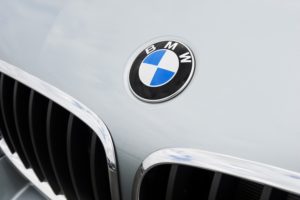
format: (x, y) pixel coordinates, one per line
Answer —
(158, 68)
(161, 70)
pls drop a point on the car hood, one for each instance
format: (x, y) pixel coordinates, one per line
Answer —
(243, 100)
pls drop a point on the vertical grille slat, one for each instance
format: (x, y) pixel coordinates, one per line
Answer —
(215, 186)
(3, 124)
(37, 125)
(14, 102)
(7, 113)
(171, 182)
(78, 158)
(57, 120)
(21, 112)
(99, 172)
(266, 193)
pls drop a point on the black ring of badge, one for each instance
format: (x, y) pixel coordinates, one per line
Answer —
(170, 89)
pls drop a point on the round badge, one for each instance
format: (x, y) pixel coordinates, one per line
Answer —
(161, 71)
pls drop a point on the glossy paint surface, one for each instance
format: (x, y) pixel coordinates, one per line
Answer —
(243, 100)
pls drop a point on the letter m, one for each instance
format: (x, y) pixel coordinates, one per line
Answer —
(185, 58)
(171, 45)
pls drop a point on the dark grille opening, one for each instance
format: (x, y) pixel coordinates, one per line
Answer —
(58, 146)
(248, 190)
(155, 183)
(78, 160)
(292, 197)
(184, 183)
(37, 123)
(21, 112)
(1, 153)
(2, 123)
(180, 182)
(97, 166)
(56, 129)
(7, 110)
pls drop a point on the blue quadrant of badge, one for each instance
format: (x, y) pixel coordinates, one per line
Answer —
(161, 76)
(155, 57)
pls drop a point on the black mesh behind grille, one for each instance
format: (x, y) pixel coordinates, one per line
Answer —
(180, 182)
(59, 147)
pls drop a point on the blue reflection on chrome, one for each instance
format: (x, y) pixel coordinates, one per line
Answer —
(182, 158)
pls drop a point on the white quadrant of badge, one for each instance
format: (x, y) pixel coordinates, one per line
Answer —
(158, 68)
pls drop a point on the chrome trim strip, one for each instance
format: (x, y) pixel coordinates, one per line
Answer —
(254, 171)
(78, 109)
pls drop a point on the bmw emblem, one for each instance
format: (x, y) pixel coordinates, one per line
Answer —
(161, 71)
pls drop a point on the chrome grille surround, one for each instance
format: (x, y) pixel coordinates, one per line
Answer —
(285, 180)
(77, 109)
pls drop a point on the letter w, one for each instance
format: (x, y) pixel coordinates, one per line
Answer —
(186, 58)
